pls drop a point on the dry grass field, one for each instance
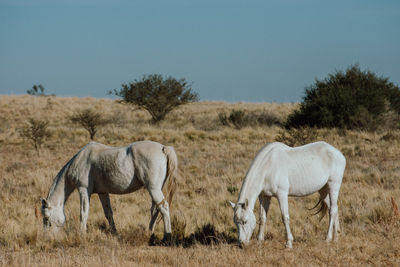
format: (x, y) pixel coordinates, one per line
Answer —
(213, 160)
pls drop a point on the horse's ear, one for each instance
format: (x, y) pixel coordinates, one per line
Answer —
(233, 205)
(44, 203)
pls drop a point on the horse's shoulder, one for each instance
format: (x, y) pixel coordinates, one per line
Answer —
(273, 152)
(328, 147)
(94, 147)
(275, 146)
(90, 151)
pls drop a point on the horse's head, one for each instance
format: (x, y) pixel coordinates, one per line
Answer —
(245, 221)
(52, 215)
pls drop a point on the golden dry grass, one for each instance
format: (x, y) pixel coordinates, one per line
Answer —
(213, 160)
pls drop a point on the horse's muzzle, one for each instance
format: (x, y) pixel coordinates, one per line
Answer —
(242, 244)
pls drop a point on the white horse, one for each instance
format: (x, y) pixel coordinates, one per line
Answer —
(281, 171)
(102, 169)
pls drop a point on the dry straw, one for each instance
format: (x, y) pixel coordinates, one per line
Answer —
(213, 159)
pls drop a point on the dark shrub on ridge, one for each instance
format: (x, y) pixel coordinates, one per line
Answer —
(353, 99)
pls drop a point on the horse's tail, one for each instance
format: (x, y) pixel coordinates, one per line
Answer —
(323, 209)
(172, 167)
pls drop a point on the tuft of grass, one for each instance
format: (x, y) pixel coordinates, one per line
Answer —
(232, 189)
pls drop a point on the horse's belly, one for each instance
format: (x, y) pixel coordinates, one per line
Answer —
(306, 187)
(117, 185)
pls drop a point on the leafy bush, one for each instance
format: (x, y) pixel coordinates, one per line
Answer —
(240, 119)
(157, 95)
(37, 132)
(37, 90)
(353, 99)
(223, 118)
(237, 118)
(90, 120)
(267, 118)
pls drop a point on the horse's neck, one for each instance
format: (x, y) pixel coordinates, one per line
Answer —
(59, 191)
(254, 181)
(252, 187)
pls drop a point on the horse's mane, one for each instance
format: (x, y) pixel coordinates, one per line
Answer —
(61, 174)
(256, 164)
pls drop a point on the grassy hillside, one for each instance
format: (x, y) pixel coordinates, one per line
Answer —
(213, 160)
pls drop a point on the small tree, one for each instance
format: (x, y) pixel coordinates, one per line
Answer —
(90, 120)
(157, 95)
(37, 90)
(36, 131)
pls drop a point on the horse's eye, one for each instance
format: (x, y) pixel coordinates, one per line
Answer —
(46, 222)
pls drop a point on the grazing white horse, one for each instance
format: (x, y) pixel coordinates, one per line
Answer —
(281, 171)
(102, 169)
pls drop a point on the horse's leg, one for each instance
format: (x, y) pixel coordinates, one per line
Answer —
(154, 211)
(324, 195)
(333, 213)
(283, 204)
(336, 227)
(162, 207)
(105, 202)
(264, 207)
(85, 199)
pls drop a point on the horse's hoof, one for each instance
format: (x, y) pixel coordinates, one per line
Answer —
(114, 231)
(153, 240)
(167, 240)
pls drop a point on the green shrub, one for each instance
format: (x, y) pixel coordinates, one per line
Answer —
(268, 119)
(240, 119)
(353, 99)
(237, 118)
(223, 118)
(36, 90)
(157, 95)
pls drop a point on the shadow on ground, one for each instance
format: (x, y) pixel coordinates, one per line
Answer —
(206, 235)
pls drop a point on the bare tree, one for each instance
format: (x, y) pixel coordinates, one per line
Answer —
(37, 132)
(90, 120)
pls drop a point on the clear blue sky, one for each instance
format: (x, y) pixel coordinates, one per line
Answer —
(233, 50)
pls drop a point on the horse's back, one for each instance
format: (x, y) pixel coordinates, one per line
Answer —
(305, 169)
(116, 170)
(320, 151)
